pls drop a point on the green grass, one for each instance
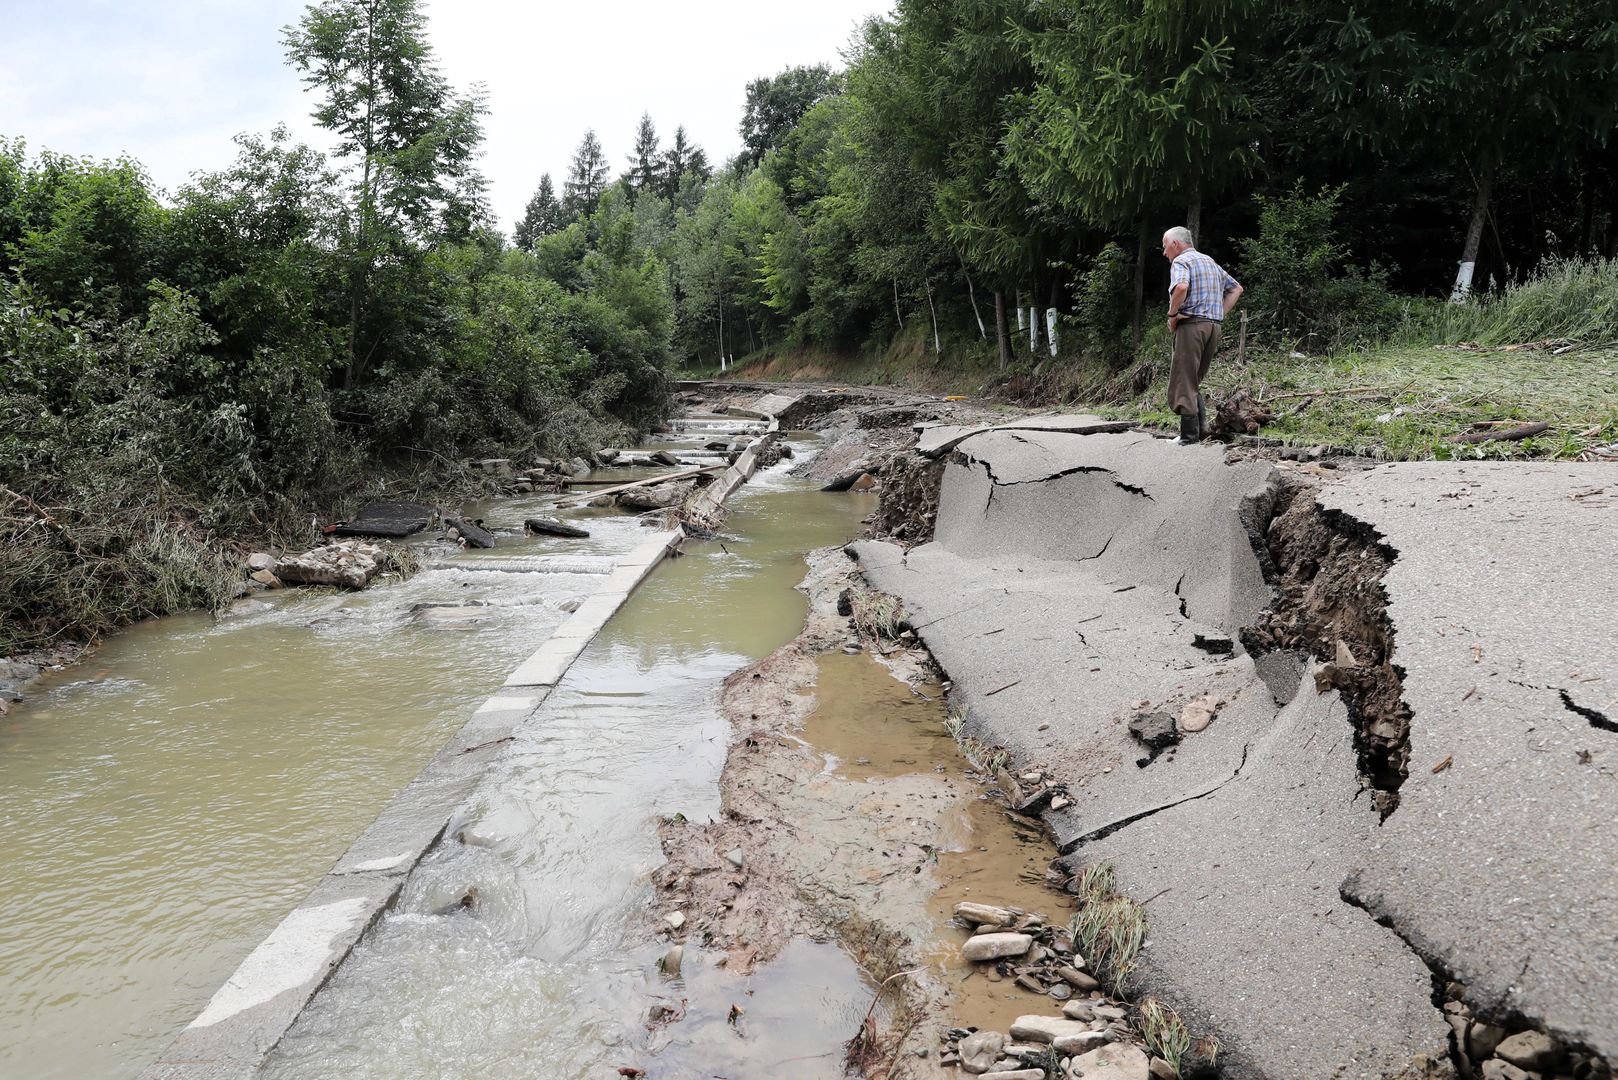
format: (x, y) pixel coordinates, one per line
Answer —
(1410, 400)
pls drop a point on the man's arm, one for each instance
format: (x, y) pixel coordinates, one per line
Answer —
(1232, 296)
(1177, 301)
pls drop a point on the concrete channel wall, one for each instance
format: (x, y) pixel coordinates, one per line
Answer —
(249, 1014)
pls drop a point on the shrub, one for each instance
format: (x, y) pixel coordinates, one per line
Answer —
(1103, 305)
(1572, 299)
(1300, 284)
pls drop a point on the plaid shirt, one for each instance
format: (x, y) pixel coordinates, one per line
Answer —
(1206, 284)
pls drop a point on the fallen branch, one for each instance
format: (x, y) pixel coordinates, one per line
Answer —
(1323, 393)
(576, 500)
(1514, 435)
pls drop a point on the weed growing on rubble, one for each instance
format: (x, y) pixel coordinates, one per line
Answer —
(1165, 1033)
(1109, 929)
(876, 614)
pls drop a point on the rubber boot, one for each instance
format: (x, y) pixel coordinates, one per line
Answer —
(1202, 417)
(1188, 431)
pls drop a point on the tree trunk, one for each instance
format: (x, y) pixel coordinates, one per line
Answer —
(1002, 328)
(1588, 219)
(896, 312)
(1036, 320)
(1474, 234)
(938, 349)
(1140, 279)
(1193, 212)
(972, 294)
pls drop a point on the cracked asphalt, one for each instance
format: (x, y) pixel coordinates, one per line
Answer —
(1070, 576)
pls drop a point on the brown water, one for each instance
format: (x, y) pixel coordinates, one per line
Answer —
(869, 724)
(163, 804)
(551, 973)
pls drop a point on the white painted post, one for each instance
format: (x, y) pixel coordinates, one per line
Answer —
(1050, 329)
(1463, 283)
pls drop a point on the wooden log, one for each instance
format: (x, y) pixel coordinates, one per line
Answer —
(1514, 435)
(682, 474)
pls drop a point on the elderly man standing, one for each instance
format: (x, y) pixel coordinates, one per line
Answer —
(1201, 294)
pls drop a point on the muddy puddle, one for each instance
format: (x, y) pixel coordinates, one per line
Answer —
(870, 725)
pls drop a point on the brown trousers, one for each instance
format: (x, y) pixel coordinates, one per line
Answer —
(1195, 342)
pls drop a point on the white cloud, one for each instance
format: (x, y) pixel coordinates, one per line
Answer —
(170, 83)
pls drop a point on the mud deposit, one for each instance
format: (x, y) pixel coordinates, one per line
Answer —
(850, 815)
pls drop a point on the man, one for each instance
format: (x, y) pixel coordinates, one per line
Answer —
(1201, 294)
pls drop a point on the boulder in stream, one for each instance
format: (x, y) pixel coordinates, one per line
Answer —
(657, 497)
(349, 565)
(553, 527)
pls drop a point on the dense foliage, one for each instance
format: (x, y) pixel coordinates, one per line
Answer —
(180, 368)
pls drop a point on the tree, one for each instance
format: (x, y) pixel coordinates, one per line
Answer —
(542, 217)
(409, 138)
(775, 105)
(645, 163)
(683, 158)
(586, 177)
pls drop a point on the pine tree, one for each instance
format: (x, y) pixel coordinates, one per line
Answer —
(680, 158)
(646, 164)
(586, 177)
(542, 217)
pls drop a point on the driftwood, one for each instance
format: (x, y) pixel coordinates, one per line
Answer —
(683, 474)
(1323, 393)
(1513, 435)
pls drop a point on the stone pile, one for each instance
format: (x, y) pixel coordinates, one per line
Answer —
(1090, 1039)
(350, 564)
(1494, 1052)
(543, 473)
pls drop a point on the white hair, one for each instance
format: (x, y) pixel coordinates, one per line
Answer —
(1180, 235)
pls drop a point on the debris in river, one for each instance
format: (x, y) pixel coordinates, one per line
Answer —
(553, 527)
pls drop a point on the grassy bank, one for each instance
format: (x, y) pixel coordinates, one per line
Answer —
(1545, 351)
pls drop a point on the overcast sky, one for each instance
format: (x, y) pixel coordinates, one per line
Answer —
(170, 81)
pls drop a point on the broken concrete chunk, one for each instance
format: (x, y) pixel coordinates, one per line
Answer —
(993, 946)
(472, 532)
(674, 920)
(553, 527)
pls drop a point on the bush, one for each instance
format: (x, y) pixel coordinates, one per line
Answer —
(1103, 300)
(1300, 285)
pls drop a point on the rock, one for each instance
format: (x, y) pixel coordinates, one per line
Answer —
(846, 479)
(979, 1052)
(1060, 992)
(260, 560)
(979, 914)
(1116, 1061)
(657, 497)
(1044, 1029)
(1495, 1069)
(670, 964)
(865, 483)
(552, 527)
(1081, 1043)
(1015, 1074)
(600, 502)
(266, 578)
(1532, 1050)
(1030, 984)
(1108, 1012)
(993, 946)
(1077, 979)
(523, 487)
(674, 920)
(350, 565)
(1198, 714)
(1483, 1039)
(1162, 1070)
(1079, 1010)
(663, 457)
(606, 455)
(1060, 803)
(472, 532)
(735, 858)
(577, 467)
